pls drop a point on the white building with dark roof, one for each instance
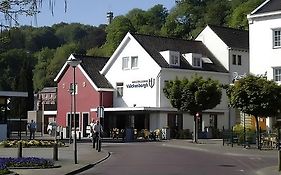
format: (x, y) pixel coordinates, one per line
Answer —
(230, 46)
(265, 40)
(138, 70)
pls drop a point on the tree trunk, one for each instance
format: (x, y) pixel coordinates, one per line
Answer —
(195, 130)
(258, 132)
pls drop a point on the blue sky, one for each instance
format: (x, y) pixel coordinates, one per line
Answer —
(92, 12)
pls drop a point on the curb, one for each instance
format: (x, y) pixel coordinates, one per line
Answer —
(88, 166)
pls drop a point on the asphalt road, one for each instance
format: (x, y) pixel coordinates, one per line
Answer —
(155, 159)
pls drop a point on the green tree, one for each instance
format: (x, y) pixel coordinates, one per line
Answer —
(60, 56)
(256, 96)
(217, 12)
(238, 17)
(193, 96)
(40, 71)
(116, 31)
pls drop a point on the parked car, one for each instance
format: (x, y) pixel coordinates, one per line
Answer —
(51, 127)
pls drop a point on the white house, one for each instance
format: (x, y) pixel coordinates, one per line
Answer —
(138, 70)
(265, 41)
(230, 46)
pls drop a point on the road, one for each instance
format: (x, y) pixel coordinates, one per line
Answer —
(156, 159)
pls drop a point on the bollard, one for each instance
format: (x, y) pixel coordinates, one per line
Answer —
(55, 151)
(20, 150)
(232, 136)
(223, 136)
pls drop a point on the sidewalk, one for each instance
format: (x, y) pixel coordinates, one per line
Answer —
(86, 156)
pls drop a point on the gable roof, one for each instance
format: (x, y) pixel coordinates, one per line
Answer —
(268, 6)
(234, 38)
(90, 67)
(155, 44)
(49, 90)
(93, 66)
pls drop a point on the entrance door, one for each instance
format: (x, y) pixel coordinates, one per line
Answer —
(175, 123)
(85, 123)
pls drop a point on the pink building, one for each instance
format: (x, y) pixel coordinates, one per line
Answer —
(92, 90)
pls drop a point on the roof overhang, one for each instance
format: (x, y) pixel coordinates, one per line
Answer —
(131, 109)
(13, 94)
(50, 113)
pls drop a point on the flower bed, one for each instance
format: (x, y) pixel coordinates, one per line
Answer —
(29, 143)
(27, 162)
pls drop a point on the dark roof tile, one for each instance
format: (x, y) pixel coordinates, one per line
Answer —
(234, 38)
(155, 44)
(93, 66)
(271, 6)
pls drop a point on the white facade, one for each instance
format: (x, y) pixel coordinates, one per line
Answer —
(225, 53)
(265, 53)
(264, 57)
(143, 86)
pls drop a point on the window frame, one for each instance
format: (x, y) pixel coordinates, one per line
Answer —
(196, 60)
(127, 61)
(276, 38)
(174, 60)
(239, 60)
(277, 76)
(136, 62)
(119, 89)
(234, 59)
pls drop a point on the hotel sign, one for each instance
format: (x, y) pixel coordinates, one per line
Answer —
(142, 83)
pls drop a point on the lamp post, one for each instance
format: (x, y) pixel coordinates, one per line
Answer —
(70, 90)
(73, 62)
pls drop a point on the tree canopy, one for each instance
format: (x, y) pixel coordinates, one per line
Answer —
(257, 96)
(194, 95)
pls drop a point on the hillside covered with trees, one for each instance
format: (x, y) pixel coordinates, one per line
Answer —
(34, 55)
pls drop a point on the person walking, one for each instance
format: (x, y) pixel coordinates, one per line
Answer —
(32, 128)
(97, 132)
(92, 125)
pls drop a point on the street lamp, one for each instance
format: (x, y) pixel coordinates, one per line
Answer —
(70, 116)
(73, 62)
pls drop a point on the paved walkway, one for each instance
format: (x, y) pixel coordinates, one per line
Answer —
(87, 157)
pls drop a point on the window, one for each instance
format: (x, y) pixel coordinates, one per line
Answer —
(277, 74)
(119, 87)
(134, 62)
(239, 60)
(234, 59)
(174, 60)
(196, 62)
(276, 38)
(125, 63)
(72, 88)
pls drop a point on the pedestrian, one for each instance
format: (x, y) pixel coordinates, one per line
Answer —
(92, 124)
(97, 132)
(32, 128)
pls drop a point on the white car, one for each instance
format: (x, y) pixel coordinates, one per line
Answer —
(51, 127)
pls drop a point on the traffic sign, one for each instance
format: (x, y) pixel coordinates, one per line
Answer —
(100, 111)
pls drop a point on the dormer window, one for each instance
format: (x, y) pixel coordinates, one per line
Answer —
(172, 57)
(174, 60)
(196, 59)
(196, 62)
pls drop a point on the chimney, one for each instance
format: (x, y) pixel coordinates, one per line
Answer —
(109, 17)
